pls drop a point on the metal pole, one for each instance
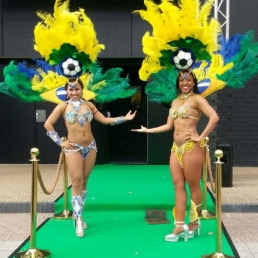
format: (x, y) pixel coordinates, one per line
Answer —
(216, 9)
(228, 18)
(224, 11)
(218, 253)
(205, 214)
(34, 187)
(33, 252)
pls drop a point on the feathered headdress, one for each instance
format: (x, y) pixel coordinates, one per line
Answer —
(185, 35)
(69, 47)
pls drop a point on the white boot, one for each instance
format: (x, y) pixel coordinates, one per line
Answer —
(77, 214)
(84, 194)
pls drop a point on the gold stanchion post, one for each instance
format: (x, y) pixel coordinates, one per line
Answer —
(66, 213)
(218, 253)
(205, 214)
(33, 252)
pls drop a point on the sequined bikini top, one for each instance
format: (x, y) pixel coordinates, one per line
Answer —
(72, 116)
(183, 111)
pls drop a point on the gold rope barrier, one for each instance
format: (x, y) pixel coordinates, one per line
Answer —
(205, 214)
(33, 252)
(66, 213)
(209, 169)
(218, 253)
(48, 192)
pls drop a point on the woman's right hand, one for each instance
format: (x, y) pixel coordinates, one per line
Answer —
(141, 130)
(68, 144)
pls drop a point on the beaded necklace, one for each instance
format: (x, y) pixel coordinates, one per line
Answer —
(183, 96)
(76, 103)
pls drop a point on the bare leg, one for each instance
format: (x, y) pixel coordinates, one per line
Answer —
(192, 163)
(75, 166)
(88, 165)
(178, 178)
(79, 172)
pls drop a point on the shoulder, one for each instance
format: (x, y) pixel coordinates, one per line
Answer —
(199, 97)
(62, 106)
(90, 104)
(174, 101)
(200, 101)
(92, 107)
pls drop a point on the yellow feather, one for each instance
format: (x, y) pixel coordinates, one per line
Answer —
(66, 27)
(85, 78)
(48, 81)
(170, 22)
(99, 85)
(149, 66)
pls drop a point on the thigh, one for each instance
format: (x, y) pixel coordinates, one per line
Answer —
(177, 173)
(192, 163)
(89, 162)
(75, 165)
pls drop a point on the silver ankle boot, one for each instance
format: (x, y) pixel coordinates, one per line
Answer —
(77, 214)
(84, 194)
(79, 229)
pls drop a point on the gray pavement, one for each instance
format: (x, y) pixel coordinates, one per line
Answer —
(239, 206)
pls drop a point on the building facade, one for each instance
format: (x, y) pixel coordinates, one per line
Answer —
(121, 32)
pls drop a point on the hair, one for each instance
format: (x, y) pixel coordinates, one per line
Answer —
(189, 71)
(72, 80)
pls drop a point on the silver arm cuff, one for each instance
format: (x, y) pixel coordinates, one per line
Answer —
(119, 120)
(53, 135)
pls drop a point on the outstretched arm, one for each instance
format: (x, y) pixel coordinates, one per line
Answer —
(160, 129)
(114, 120)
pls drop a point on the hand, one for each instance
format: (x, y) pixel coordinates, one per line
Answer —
(192, 136)
(130, 115)
(141, 130)
(68, 144)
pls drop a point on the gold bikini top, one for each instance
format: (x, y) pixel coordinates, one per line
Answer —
(184, 111)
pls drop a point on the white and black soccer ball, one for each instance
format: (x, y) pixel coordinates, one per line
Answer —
(183, 59)
(71, 68)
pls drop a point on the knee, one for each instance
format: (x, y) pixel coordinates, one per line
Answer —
(179, 186)
(194, 188)
(77, 181)
(85, 180)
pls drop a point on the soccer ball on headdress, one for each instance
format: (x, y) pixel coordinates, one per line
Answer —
(183, 59)
(71, 68)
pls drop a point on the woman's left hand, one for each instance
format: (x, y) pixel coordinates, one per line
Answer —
(130, 115)
(192, 136)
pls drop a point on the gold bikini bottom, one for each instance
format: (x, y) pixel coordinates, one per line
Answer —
(185, 148)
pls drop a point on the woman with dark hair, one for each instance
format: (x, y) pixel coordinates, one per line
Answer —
(80, 147)
(187, 153)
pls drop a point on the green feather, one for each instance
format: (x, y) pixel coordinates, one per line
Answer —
(245, 63)
(194, 45)
(18, 84)
(115, 87)
(68, 50)
(162, 88)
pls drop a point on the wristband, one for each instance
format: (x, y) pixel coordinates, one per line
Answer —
(53, 135)
(119, 120)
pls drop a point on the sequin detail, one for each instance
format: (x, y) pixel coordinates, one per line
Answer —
(72, 117)
(185, 148)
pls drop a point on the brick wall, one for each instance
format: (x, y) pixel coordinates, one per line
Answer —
(238, 125)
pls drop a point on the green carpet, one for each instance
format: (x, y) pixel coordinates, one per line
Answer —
(118, 197)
